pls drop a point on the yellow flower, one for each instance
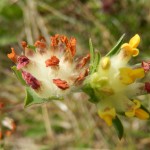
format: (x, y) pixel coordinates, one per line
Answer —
(137, 111)
(128, 76)
(108, 115)
(130, 49)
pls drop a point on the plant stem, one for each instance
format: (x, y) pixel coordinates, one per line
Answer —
(47, 122)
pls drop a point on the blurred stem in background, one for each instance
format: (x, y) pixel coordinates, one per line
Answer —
(47, 122)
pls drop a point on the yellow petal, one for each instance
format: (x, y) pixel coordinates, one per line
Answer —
(134, 41)
(135, 52)
(126, 80)
(127, 50)
(125, 46)
(108, 120)
(137, 111)
(125, 70)
(108, 115)
(137, 73)
(141, 114)
(125, 76)
(137, 104)
(130, 113)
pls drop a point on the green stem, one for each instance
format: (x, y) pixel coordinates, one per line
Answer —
(47, 122)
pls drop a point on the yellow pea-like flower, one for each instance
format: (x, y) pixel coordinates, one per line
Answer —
(137, 111)
(128, 75)
(108, 115)
(130, 49)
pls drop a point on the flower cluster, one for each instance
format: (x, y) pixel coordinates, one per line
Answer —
(111, 82)
(51, 70)
(116, 84)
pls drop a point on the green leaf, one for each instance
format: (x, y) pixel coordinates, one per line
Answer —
(96, 62)
(32, 47)
(94, 58)
(33, 98)
(18, 74)
(116, 48)
(91, 51)
(118, 126)
(87, 89)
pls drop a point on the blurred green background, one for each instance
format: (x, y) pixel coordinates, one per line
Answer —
(72, 124)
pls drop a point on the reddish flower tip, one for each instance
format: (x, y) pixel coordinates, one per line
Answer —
(82, 76)
(30, 80)
(24, 44)
(71, 45)
(12, 55)
(40, 44)
(55, 40)
(147, 87)
(53, 61)
(146, 66)
(64, 39)
(22, 62)
(83, 61)
(62, 84)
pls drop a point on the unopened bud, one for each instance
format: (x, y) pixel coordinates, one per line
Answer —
(105, 63)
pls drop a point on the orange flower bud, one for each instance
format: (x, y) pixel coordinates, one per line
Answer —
(53, 61)
(12, 55)
(62, 84)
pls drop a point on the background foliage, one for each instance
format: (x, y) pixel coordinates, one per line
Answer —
(74, 122)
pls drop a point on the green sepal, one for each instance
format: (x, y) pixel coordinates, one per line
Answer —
(89, 90)
(118, 126)
(91, 52)
(116, 48)
(32, 47)
(33, 98)
(94, 58)
(18, 74)
(96, 62)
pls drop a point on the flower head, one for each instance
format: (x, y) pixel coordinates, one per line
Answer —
(51, 70)
(115, 83)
